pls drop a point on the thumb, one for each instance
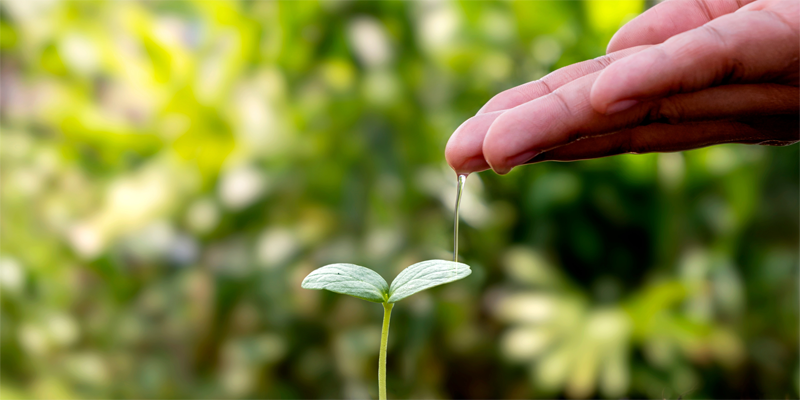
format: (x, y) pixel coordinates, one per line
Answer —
(742, 47)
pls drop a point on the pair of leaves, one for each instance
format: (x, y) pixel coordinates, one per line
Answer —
(366, 284)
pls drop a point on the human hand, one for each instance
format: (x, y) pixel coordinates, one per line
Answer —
(683, 75)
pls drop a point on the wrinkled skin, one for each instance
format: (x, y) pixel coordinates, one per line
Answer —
(685, 74)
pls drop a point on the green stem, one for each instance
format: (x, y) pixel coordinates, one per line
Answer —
(387, 315)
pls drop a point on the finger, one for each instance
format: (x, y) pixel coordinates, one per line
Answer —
(664, 138)
(725, 50)
(464, 151)
(668, 19)
(566, 115)
(532, 90)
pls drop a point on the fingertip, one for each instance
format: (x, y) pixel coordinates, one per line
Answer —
(492, 148)
(456, 152)
(598, 95)
(615, 44)
(463, 151)
(498, 102)
(462, 163)
(503, 151)
(450, 154)
(490, 105)
(611, 91)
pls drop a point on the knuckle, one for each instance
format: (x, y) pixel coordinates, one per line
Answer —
(604, 61)
(558, 97)
(667, 111)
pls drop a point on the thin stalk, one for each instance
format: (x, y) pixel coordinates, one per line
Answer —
(387, 315)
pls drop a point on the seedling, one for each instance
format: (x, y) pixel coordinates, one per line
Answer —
(366, 284)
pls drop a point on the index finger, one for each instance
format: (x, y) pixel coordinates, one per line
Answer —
(524, 93)
(464, 151)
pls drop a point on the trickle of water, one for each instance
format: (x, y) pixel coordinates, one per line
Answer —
(462, 178)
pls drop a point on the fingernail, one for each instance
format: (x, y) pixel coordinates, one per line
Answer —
(621, 105)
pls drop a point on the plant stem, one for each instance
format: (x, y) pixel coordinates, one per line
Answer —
(387, 315)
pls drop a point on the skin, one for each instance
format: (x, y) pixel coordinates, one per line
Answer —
(685, 74)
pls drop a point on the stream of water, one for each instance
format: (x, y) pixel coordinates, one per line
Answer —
(462, 178)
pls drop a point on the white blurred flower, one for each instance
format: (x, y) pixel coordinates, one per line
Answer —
(28, 181)
(438, 24)
(721, 159)
(241, 186)
(520, 344)
(62, 329)
(569, 346)
(237, 380)
(29, 10)
(525, 265)
(86, 239)
(527, 308)
(12, 275)
(89, 368)
(172, 31)
(79, 53)
(369, 40)
(382, 242)
(671, 169)
(202, 215)
(260, 127)
(131, 202)
(33, 339)
(154, 240)
(275, 246)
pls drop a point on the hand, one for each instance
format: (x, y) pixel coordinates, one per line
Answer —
(683, 75)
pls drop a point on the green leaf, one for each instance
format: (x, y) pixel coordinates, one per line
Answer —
(354, 280)
(425, 275)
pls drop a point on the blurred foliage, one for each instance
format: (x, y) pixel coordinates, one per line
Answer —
(170, 171)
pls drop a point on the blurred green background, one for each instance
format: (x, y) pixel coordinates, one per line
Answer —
(170, 171)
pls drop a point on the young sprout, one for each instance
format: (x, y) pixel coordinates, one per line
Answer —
(366, 284)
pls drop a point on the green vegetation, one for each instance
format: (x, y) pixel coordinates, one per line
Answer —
(170, 172)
